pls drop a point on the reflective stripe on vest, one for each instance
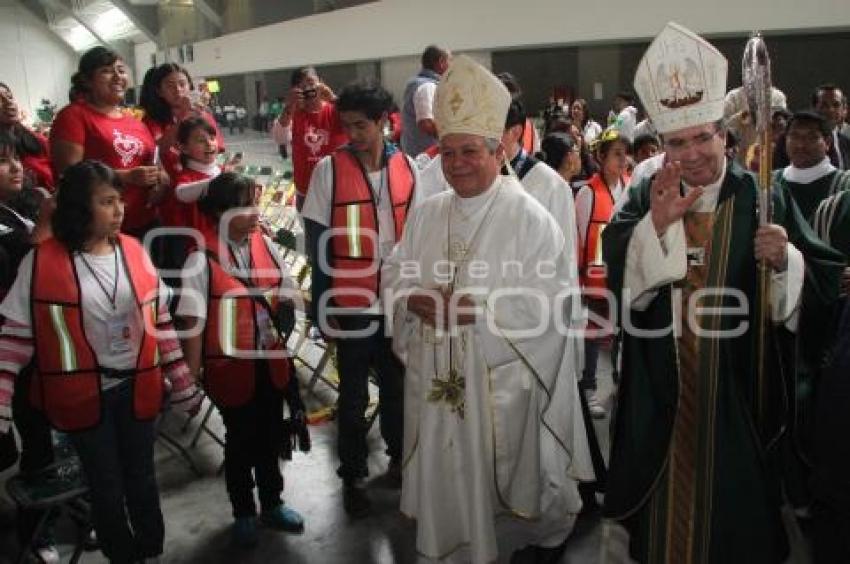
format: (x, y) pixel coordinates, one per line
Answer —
(66, 344)
(68, 371)
(592, 271)
(354, 219)
(230, 343)
(227, 326)
(352, 228)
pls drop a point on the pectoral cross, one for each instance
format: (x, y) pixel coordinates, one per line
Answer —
(458, 251)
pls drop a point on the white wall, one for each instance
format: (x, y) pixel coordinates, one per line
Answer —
(398, 28)
(34, 62)
(395, 72)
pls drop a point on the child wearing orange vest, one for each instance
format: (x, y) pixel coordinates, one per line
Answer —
(596, 203)
(83, 308)
(232, 292)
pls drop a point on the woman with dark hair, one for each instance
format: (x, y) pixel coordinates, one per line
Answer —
(562, 153)
(81, 308)
(31, 147)
(580, 112)
(596, 204)
(96, 126)
(588, 164)
(233, 290)
(167, 101)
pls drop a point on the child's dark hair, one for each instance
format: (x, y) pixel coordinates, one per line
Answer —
(604, 144)
(185, 129)
(27, 202)
(73, 217)
(226, 191)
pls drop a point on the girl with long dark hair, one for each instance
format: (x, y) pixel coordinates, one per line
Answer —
(89, 309)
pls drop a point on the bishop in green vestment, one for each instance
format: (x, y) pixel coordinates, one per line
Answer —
(694, 472)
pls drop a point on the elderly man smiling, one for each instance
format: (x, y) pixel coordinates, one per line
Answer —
(494, 440)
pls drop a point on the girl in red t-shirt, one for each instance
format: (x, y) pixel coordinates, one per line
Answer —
(167, 101)
(29, 145)
(95, 126)
(196, 139)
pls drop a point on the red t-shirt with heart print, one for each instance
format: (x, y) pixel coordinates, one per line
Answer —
(119, 142)
(314, 136)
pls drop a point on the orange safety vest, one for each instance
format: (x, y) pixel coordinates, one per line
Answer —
(231, 344)
(592, 270)
(67, 371)
(528, 137)
(354, 218)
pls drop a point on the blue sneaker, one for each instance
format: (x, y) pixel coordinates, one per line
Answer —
(245, 532)
(283, 518)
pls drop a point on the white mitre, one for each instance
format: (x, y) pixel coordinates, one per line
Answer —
(681, 80)
(470, 100)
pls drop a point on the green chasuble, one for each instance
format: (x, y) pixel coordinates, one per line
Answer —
(809, 196)
(832, 222)
(691, 409)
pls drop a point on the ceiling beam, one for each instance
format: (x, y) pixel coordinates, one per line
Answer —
(42, 17)
(63, 8)
(140, 25)
(209, 13)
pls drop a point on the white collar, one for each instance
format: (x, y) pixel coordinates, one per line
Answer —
(711, 193)
(208, 169)
(470, 205)
(808, 175)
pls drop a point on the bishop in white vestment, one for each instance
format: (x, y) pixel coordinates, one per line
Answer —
(494, 439)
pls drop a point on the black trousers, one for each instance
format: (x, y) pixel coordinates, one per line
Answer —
(355, 357)
(36, 450)
(117, 458)
(251, 448)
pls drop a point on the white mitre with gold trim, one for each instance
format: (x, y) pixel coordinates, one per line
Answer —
(471, 100)
(681, 80)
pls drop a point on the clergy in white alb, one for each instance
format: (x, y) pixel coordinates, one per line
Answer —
(494, 440)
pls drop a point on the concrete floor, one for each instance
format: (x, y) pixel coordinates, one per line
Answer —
(197, 511)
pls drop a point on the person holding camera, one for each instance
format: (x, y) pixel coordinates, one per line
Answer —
(236, 320)
(311, 121)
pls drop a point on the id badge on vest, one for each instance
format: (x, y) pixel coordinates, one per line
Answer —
(118, 333)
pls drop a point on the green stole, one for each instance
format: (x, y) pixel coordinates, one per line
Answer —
(680, 509)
